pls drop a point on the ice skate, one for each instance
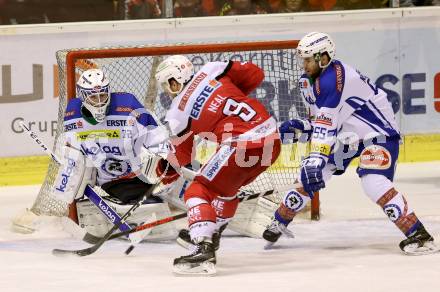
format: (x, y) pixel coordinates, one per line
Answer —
(201, 262)
(184, 239)
(419, 243)
(274, 231)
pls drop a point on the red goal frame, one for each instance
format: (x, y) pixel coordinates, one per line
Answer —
(73, 56)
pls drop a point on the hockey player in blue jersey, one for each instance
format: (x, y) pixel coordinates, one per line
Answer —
(350, 117)
(117, 139)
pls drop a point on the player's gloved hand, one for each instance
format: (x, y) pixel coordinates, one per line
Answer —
(166, 172)
(295, 130)
(311, 174)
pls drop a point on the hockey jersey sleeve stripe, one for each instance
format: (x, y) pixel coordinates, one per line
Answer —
(371, 104)
(377, 130)
(368, 115)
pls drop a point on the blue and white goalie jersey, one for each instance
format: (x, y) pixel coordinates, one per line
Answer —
(345, 105)
(113, 145)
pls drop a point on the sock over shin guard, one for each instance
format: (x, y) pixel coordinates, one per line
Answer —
(380, 189)
(292, 203)
(201, 219)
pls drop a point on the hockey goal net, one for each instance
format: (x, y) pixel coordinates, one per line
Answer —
(132, 69)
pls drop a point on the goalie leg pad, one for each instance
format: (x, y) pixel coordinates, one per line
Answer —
(69, 181)
(253, 216)
(94, 222)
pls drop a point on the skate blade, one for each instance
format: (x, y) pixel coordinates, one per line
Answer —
(415, 250)
(269, 245)
(187, 270)
(185, 244)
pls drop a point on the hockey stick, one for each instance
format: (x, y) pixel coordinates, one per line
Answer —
(92, 238)
(94, 248)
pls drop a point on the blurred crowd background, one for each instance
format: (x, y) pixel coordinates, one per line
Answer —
(52, 11)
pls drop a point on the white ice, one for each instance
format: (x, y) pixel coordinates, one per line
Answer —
(353, 248)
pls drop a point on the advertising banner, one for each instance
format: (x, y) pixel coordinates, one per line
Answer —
(396, 48)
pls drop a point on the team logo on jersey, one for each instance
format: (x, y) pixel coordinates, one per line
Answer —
(202, 98)
(324, 119)
(98, 134)
(73, 126)
(116, 167)
(392, 211)
(375, 157)
(193, 85)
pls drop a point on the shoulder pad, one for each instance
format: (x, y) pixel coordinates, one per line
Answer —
(329, 86)
(73, 109)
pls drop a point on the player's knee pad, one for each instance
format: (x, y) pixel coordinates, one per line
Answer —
(375, 185)
(380, 189)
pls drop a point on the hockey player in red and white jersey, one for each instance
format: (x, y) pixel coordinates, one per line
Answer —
(351, 118)
(214, 104)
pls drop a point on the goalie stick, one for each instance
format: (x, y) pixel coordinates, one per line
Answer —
(92, 249)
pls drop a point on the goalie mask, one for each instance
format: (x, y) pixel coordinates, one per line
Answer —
(177, 68)
(315, 44)
(94, 90)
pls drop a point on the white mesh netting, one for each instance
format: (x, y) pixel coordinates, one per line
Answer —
(278, 92)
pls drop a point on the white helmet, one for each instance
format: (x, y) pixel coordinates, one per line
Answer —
(315, 44)
(176, 67)
(94, 90)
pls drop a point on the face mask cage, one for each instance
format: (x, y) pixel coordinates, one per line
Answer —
(95, 100)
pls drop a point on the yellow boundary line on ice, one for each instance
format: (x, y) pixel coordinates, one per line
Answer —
(29, 170)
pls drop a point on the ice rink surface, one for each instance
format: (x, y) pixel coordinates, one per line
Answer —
(353, 248)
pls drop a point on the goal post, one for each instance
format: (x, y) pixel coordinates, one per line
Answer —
(132, 69)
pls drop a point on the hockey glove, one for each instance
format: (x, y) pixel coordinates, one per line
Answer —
(311, 174)
(166, 172)
(296, 130)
